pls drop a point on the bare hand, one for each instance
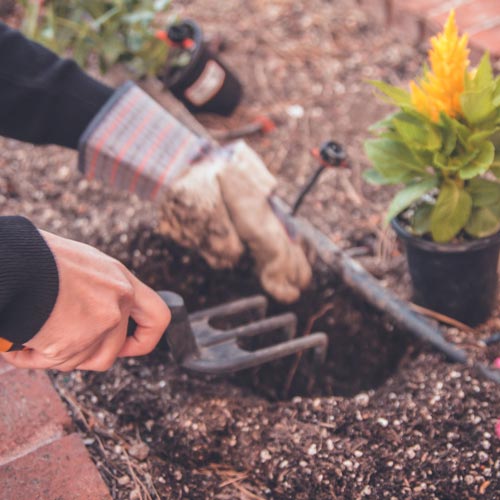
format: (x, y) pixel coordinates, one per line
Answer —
(87, 328)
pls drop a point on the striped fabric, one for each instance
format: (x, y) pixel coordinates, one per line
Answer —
(135, 145)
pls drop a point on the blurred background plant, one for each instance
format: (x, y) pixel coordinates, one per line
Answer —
(111, 32)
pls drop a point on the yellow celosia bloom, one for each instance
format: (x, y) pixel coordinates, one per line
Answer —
(441, 87)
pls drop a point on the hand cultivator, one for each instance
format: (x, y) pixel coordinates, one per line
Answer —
(199, 346)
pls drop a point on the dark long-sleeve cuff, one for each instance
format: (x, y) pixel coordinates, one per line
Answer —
(44, 99)
(29, 281)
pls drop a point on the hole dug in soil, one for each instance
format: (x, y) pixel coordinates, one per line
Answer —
(364, 347)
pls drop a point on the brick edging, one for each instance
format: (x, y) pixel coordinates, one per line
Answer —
(40, 455)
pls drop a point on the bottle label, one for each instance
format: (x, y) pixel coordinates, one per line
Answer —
(207, 85)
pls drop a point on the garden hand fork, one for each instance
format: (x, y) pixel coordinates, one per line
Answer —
(199, 346)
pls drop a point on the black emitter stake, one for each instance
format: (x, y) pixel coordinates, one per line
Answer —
(331, 154)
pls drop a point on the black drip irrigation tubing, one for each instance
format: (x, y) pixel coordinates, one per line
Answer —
(365, 285)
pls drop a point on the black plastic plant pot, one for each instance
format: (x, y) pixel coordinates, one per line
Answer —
(457, 280)
(204, 84)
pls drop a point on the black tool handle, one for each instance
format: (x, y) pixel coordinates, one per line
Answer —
(177, 309)
(178, 336)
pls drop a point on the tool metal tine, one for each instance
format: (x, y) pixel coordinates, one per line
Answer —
(286, 323)
(227, 357)
(257, 303)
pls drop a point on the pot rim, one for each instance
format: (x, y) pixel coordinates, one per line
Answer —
(178, 75)
(416, 241)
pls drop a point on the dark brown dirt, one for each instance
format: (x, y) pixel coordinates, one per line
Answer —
(385, 417)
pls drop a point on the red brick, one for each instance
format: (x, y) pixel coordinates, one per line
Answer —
(419, 7)
(470, 16)
(4, 366)
(488, 40)
(31, 413)
(61, 470)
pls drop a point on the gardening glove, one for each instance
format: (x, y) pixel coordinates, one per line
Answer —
(247, 186)
(135, 144)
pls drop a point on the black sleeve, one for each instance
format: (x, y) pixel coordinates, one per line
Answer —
(44, 99)
(29, 281)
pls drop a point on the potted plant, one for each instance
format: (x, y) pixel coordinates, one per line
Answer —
(442, 145)
(194, 74)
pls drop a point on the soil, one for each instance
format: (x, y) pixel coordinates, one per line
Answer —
(384, 417)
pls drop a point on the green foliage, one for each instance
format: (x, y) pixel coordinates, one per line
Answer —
(114, 31)
(453, 164)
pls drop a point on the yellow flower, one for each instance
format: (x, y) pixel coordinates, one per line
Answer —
(442, 85)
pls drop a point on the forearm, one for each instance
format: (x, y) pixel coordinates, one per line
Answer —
(29, 280)
(44, 99)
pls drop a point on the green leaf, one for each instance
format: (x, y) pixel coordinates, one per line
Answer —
(448, 134)
(409, 195)
(373, 177)
(101, 20)
(392, 159)
(111, 49)
(160, 5)
(451, 212)
(483, 192)
(140, 16)
(396, 95)
(385, 123)
(496, 92)
(484, 221)
(421, 220)
(477, 106)
(480, 163)
(484, 74)
(477, 137)
(463, 132)
(417, 131)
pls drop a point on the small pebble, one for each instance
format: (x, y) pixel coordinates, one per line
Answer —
(383, 422)
(123, 480)
(312, 450)
(139, 451)
(362, 399)
(295, 111)
(265, 456)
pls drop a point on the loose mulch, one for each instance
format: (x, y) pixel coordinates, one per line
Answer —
(385, 417)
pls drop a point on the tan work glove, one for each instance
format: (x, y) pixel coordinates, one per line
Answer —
(246, 187)
(214, 200)
(222, 201)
